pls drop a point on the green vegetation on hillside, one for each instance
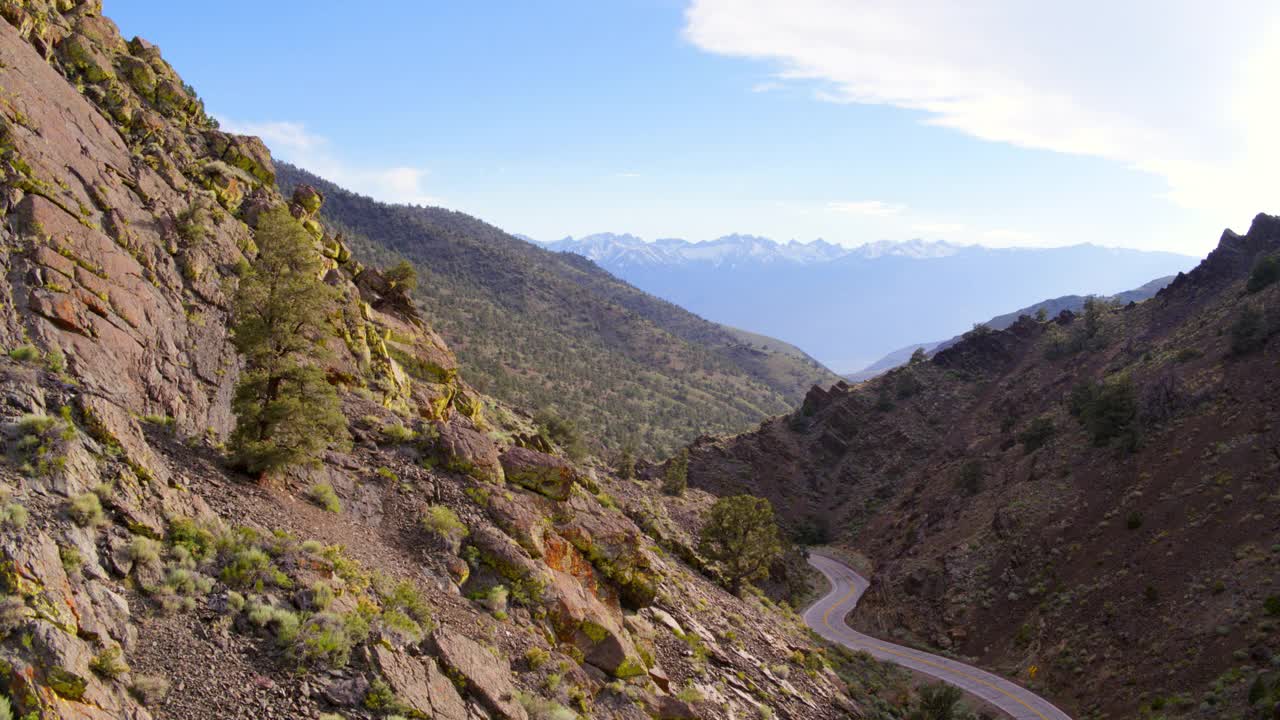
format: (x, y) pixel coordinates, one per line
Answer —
(554, 332)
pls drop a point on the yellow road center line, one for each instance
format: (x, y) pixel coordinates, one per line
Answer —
(853, 590)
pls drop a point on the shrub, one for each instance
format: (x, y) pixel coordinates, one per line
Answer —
(323, 640)
(1038, 433)
(1272, 605)
(445, 524)
(1107, 410)
(109, 664)
(6, 710)
(198, 540)
(495, 599)
(1265, 272)
(251, 567)
(937, 702)
(150, 690)
(970, 480)
(1134, 520)
(536, 657)
(86, 510)
(542, 709)
(400, 625)
(322, 595)
(396, 433)
(13, 515)
(283, 622)
(406, 597)
(144, 551)
(323, 494)
(70, 558)
(1249, 332)
(25, 353)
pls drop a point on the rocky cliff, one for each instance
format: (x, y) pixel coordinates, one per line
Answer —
(1086, 503)
(453, 564)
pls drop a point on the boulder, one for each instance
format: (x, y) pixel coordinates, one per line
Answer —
(469, 451)
(486, 676)
(542, 473)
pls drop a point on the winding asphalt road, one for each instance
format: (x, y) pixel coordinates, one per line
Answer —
(826, 617)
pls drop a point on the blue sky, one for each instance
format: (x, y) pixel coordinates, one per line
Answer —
(796, 119)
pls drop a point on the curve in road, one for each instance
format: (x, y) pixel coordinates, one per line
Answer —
(826, 617)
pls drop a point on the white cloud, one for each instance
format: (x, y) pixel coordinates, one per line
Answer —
(1184, 90)
(292, 142)
(766, 86)
(938, 228)
(872, 208)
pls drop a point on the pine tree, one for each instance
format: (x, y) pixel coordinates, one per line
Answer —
(676, 477)
(740, 538)
(287, 413)
(626, 464)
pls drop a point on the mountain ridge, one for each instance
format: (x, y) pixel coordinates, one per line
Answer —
(1052, 307)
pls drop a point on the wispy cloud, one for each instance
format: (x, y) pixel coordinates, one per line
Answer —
(627, 174)
(294, 143)
(1012, 72)
(766, 86)
(872, 208)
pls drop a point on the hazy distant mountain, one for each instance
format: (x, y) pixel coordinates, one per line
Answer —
(1052, 307)
(847, 306)
(616, 251)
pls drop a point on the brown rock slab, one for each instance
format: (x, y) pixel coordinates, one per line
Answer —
(419, 683)
(486, 676)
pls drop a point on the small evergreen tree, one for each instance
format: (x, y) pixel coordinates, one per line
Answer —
(626, 464)
(402, 276)
(287, 413)
(918, 356)
(740, 539)
(1249, 331)
(1265, 272)
(676, 477)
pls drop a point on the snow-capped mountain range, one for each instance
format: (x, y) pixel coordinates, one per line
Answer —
(612, 250)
